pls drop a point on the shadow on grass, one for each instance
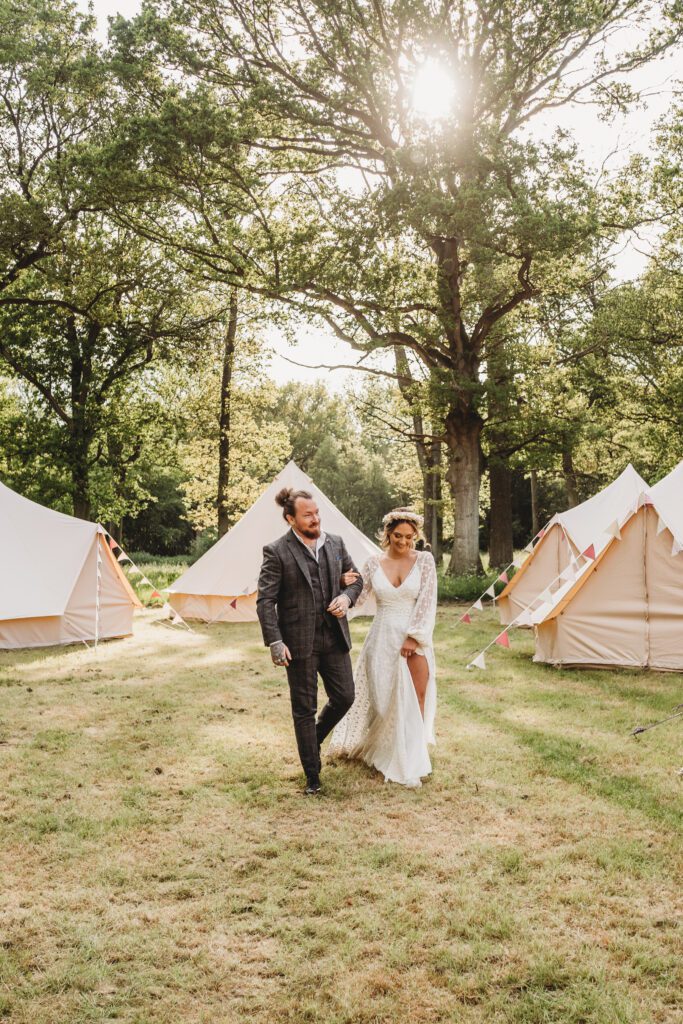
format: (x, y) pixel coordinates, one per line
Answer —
(574, 762)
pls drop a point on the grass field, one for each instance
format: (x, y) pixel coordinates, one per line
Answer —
(159, 863)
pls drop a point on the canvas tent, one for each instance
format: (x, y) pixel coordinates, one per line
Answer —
(566, 536)
(54, 589)
(221, 585)
(625, 608)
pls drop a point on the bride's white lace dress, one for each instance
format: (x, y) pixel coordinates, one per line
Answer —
(384, 726)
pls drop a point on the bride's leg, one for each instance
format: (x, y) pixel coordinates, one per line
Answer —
(419, 672)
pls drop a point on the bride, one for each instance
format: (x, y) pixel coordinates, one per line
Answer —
(391, 722)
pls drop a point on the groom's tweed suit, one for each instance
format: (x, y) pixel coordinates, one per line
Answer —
(294, 591)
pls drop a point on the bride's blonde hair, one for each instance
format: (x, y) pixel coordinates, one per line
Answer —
(395, 518)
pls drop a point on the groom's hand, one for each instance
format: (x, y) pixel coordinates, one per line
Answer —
(339, 607)
(279, 652)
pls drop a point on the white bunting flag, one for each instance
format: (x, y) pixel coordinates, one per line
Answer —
(524, 618)
(167, 608)
(613, 530)
(175, 618)
(567, 574)
(134, 571)
(518, 561)
(546, 597)
(661, 526)
(123, 557)
(478, 605)
(491, 592)
(529, 549)
(479, 662)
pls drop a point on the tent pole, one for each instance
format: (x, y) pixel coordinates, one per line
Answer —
(97, 587)
(646, 510)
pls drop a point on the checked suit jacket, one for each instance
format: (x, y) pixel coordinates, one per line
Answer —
(285, 603)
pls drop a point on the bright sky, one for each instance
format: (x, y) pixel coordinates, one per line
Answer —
(608, 145)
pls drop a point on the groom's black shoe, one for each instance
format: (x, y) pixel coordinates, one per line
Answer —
(312, 785)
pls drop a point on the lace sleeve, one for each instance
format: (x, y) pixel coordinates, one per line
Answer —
(421, 625)
(367, 574)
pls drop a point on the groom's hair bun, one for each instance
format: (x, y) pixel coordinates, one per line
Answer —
(286, 498)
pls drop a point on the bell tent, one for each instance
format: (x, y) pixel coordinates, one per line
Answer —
(565, 537)
(625, 607)
(61, 582)
(221, 585)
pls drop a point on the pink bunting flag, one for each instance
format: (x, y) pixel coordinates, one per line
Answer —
(503, 640)
(155, 593)
(112, 544)
(589, 552)
(465, 618)
(504, 578)
(541, 534)
(233, 604)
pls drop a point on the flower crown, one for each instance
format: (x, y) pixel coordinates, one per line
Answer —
(406, 514)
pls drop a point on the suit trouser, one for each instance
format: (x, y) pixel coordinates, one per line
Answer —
(333, 663)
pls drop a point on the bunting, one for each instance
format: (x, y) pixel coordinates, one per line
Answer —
(125, 560)
(525, 617)
(477, 606)
(175, 617)
(233, 603)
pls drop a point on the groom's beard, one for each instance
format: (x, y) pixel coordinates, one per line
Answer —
(312, 532)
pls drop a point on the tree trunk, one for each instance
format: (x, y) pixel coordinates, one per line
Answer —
(224, 418)
(433, 528)
(500, 541)
(79, 448)
(80, 487)
(428, 457)
(569, 472)
(463, 436)
(535, 524)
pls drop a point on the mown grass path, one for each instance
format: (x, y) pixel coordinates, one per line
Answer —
(159, 863)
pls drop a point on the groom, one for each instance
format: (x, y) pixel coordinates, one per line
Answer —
(302, 609)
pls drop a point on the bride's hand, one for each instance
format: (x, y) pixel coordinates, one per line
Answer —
(347, 578)
(409, 647)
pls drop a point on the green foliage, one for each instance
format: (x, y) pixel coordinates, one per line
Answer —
(466, 587)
